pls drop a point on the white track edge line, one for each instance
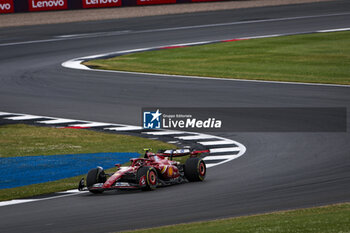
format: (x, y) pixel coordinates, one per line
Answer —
(76, 63)
(23, 201)
(126, 32)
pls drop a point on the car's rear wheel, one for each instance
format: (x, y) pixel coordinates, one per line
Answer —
(147, 178)
(195, 169)
(95, 176)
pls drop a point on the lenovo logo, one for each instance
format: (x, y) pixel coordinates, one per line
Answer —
(101, 3)
(45, 5)
(6, 6)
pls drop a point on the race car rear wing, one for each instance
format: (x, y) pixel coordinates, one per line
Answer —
(181, 152)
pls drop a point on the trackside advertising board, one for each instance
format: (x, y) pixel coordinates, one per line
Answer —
(150, 2)
(101, 3)
(6, 6)
(47, 5)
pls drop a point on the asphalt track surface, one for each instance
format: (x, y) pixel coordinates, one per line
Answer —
(279, 170)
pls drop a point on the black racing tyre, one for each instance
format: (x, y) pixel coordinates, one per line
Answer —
(94, 176)
(195, 169)
(151, 178)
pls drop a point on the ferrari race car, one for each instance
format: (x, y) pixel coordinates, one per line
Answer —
(148, 173)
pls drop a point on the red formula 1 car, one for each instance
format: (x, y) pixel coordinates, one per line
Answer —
(148, 173)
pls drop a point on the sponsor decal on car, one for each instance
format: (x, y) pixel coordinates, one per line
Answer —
(142, 181)
(6, 6)
(163, 169)
(46, 5)
(149, 2)
(122, 184)
(170, 171)
(101, 3)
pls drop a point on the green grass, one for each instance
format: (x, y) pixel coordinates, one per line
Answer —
(312, 58)
(328, 219)
(25, 140)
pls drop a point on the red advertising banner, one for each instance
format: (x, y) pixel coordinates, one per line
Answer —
(101, 3)
(6, 6)
(47, 5)
(150, 2)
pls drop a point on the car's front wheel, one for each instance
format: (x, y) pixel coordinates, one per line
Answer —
(95, 176)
